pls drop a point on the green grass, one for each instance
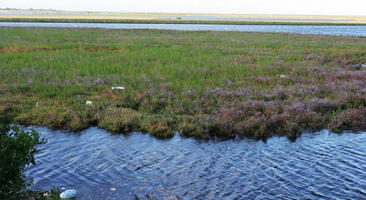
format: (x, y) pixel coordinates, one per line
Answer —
(202, 84)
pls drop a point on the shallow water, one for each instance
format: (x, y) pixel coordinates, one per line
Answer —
(316, 166)
(321, 30)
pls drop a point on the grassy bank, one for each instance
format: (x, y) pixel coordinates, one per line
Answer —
(158, 21)
(201, 84)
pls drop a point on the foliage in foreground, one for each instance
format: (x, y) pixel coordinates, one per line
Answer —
(17, 150)
(53, 194)
(202, 84)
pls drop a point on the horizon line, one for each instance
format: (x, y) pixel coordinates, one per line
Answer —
(152, 12)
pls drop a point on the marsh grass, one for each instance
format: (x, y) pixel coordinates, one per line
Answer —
(201, 84)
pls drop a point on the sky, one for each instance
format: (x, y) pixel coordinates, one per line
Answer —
(301, 7)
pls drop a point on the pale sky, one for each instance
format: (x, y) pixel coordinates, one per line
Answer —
(310, 7)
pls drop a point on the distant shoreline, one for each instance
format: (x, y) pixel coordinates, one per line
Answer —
(148, 21)
(35, 15)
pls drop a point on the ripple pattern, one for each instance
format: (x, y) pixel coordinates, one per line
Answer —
(316, 166)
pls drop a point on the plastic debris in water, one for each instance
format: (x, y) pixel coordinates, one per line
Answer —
(88, 102)
(68, 194)
(282, 76)
(118, 88)
(113, 189)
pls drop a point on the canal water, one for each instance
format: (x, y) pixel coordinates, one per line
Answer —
(299, 29)
(101, 165)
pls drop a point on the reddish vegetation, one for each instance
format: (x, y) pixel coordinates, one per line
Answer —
(351, 119)
(27, 49)
(201, 84)
(22, 49)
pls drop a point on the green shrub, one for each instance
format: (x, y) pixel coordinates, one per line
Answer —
(162, 132)
(120, 120)
(17, 150)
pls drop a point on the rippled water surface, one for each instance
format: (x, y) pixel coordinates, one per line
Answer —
(322, 30)
(316, 166)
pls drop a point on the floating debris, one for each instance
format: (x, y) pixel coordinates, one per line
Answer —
(68, 194)
(283, 76)
(88, 102)
(113, 189)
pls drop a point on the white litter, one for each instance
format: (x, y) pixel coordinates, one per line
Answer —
(118, 88)
(68, 194)
(113, 189)
(88, 102)
(283, 76)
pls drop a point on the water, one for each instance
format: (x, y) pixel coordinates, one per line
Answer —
(316, 166)
(322, 30)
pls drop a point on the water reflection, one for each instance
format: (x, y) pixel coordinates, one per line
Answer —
(321, 30)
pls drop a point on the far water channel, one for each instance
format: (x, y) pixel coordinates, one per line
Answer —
(101, 165)
(299, 29)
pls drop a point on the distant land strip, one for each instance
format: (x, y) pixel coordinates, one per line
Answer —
(157, 21)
